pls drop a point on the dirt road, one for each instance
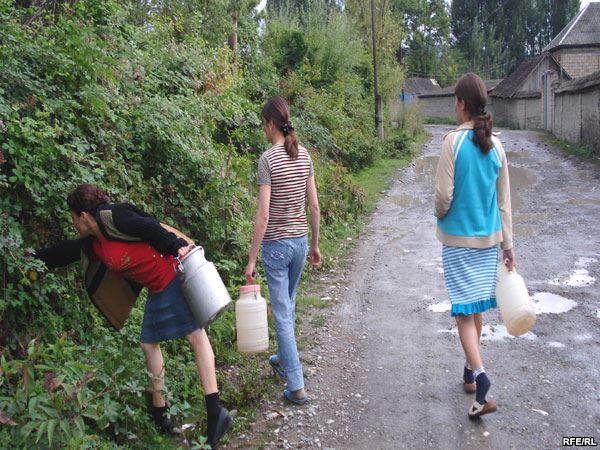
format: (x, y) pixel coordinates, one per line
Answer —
(384, 371)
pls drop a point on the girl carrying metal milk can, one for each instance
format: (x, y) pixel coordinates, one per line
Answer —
(123, 249)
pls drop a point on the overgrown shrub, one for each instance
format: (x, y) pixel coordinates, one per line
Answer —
(151, 105)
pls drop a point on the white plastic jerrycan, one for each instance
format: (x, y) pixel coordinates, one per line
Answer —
(513, 299)
(251, 320)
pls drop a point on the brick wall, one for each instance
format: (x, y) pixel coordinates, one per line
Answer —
(579, 62)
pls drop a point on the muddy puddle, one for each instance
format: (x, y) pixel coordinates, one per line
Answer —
(548, 303)
(425, 168)
(525, 230)
(439, 307)
(521, 180)
(576, 189)
(517, 154)
(494, 332)
(577, 278)
(584, 201)
(406, 201)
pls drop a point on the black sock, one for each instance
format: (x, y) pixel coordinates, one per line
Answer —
(483, 386)
(213, 408)
(158, 412)
(468, 376)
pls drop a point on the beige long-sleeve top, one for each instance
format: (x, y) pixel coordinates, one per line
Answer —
(452, 144)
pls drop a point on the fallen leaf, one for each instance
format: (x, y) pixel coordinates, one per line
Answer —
(5, 420)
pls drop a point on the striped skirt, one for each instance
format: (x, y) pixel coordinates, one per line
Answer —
(470, 277)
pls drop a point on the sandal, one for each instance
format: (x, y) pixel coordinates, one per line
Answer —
(478, 409)
(470, 388)
(276, 366)
(289, 396)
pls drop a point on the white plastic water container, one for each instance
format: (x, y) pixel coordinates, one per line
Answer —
(514, 302)
(251, 320)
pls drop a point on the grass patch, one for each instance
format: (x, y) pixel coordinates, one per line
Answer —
(583, 151)
(440, 120)
(318, 322)
(378, 177)
(312, 301)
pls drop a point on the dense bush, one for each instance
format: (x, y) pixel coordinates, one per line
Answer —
(153, 108)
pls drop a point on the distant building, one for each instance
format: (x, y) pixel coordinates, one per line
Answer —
(413, 86)
(439, 103)
(523, 100)
(577, 47)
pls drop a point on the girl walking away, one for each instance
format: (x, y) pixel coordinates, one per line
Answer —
(472, 204)
(286, 180)
(123, 249)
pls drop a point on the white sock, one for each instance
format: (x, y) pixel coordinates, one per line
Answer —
(478, 371)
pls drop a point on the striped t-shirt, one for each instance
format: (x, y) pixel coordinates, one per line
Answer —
(287, 177)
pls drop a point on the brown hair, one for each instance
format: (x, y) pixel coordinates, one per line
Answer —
(87, 198)
(276, 110)
(471, 89)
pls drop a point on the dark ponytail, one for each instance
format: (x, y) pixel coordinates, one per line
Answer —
(471, 89)
(87, 198)
(276, 110)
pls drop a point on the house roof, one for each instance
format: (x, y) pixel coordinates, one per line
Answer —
(511, 84)
(578, 84)
(582, 31)
(416, 85)
(449, 90)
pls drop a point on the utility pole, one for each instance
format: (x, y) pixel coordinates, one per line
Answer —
(378, 110)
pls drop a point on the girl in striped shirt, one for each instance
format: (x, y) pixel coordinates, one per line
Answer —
(286, 181)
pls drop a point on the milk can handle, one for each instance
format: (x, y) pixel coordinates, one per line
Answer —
(177, 262)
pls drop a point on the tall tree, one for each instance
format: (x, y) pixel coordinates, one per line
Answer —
(424, 49)
(388, 36)
(518, 28)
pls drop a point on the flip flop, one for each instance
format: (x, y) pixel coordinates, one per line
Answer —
(276, 366)
(477, 409)
(289, 396)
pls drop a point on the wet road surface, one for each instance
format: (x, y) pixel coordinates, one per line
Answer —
(405, 355)
(384, 370)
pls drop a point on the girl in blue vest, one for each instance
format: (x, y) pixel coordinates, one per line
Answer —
(472, 204)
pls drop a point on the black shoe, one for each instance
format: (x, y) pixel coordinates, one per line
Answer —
(224, 423)
(163, 422)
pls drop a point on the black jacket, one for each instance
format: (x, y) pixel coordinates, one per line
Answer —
(113, 295)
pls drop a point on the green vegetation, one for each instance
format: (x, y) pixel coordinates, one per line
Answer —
(440, 120)
(580, 150)
(152, 104)
(311, 302)
(376, 178)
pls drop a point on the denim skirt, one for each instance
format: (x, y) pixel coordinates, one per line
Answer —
(167, 315)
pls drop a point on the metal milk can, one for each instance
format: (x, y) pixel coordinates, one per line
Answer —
(202, 286)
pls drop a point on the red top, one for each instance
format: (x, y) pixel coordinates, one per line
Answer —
(136, 261)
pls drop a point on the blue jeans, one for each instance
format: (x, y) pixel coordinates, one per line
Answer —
(284, 260)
